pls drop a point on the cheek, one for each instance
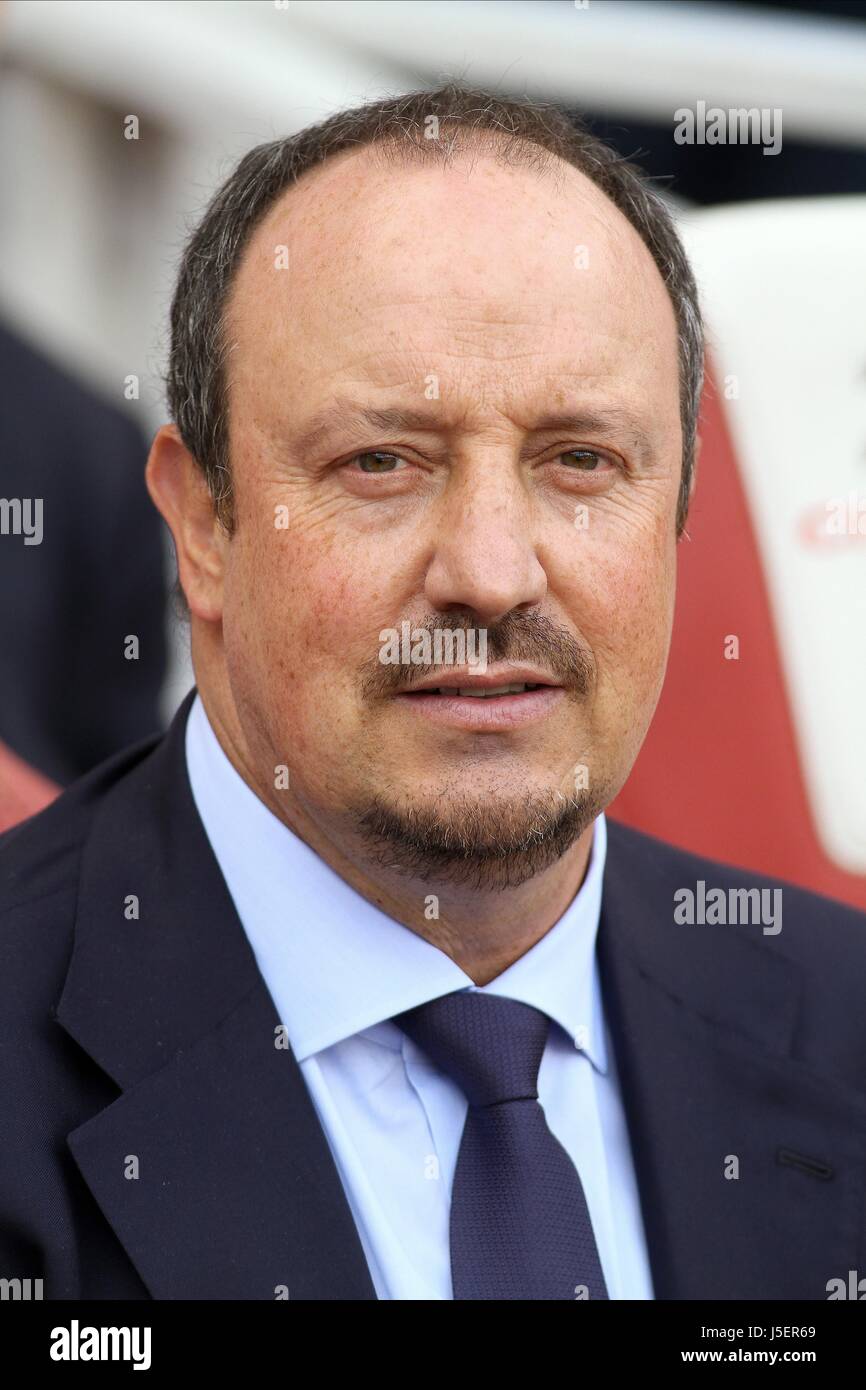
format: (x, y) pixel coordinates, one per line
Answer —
(622, 603)
(302, 612)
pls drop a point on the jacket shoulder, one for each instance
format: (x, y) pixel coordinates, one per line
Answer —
(40, 857)
(815, 931)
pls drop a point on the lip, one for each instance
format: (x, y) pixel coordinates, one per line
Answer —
(492, 715)
(465, 678)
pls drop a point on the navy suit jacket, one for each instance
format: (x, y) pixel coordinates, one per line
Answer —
(150, 1042)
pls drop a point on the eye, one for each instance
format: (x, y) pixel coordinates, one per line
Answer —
(587, 460)
(380, 462)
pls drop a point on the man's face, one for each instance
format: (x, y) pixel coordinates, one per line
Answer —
(486, 300)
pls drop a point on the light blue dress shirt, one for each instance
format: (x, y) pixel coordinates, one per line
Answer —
(338, 970)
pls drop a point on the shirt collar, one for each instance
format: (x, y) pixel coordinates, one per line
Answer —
(334, 963)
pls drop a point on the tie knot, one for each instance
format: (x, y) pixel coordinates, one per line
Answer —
(491, 1047)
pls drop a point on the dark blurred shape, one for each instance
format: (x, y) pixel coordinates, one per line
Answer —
(68, 695)
(817, 9)
(23, 791)
(733, 173)
(740, 173)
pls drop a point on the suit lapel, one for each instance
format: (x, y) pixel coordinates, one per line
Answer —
(702, 1020)
(211, 1165)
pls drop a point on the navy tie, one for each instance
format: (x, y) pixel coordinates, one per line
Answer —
(520, 1226)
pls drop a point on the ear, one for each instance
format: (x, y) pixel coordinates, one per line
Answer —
(699, 443)
(180, 492)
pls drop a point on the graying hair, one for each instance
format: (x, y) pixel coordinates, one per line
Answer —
(518, 132)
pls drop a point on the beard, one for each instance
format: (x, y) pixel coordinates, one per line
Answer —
(482, 844)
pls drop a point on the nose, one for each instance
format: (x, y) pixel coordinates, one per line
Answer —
(485, 557)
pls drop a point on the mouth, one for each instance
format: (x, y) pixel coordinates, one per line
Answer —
(470, 692)
(481, 708)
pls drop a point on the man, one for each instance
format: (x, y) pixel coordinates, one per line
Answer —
(345, 989)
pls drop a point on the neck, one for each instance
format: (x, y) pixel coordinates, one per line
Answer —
(484, 930)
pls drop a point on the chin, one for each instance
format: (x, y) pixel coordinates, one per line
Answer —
(483, 841)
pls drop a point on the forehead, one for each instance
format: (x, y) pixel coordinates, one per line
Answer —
(499, 275)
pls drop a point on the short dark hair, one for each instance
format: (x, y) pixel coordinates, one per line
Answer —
(517, 131)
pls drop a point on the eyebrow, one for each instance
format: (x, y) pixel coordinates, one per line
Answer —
(352, 416)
